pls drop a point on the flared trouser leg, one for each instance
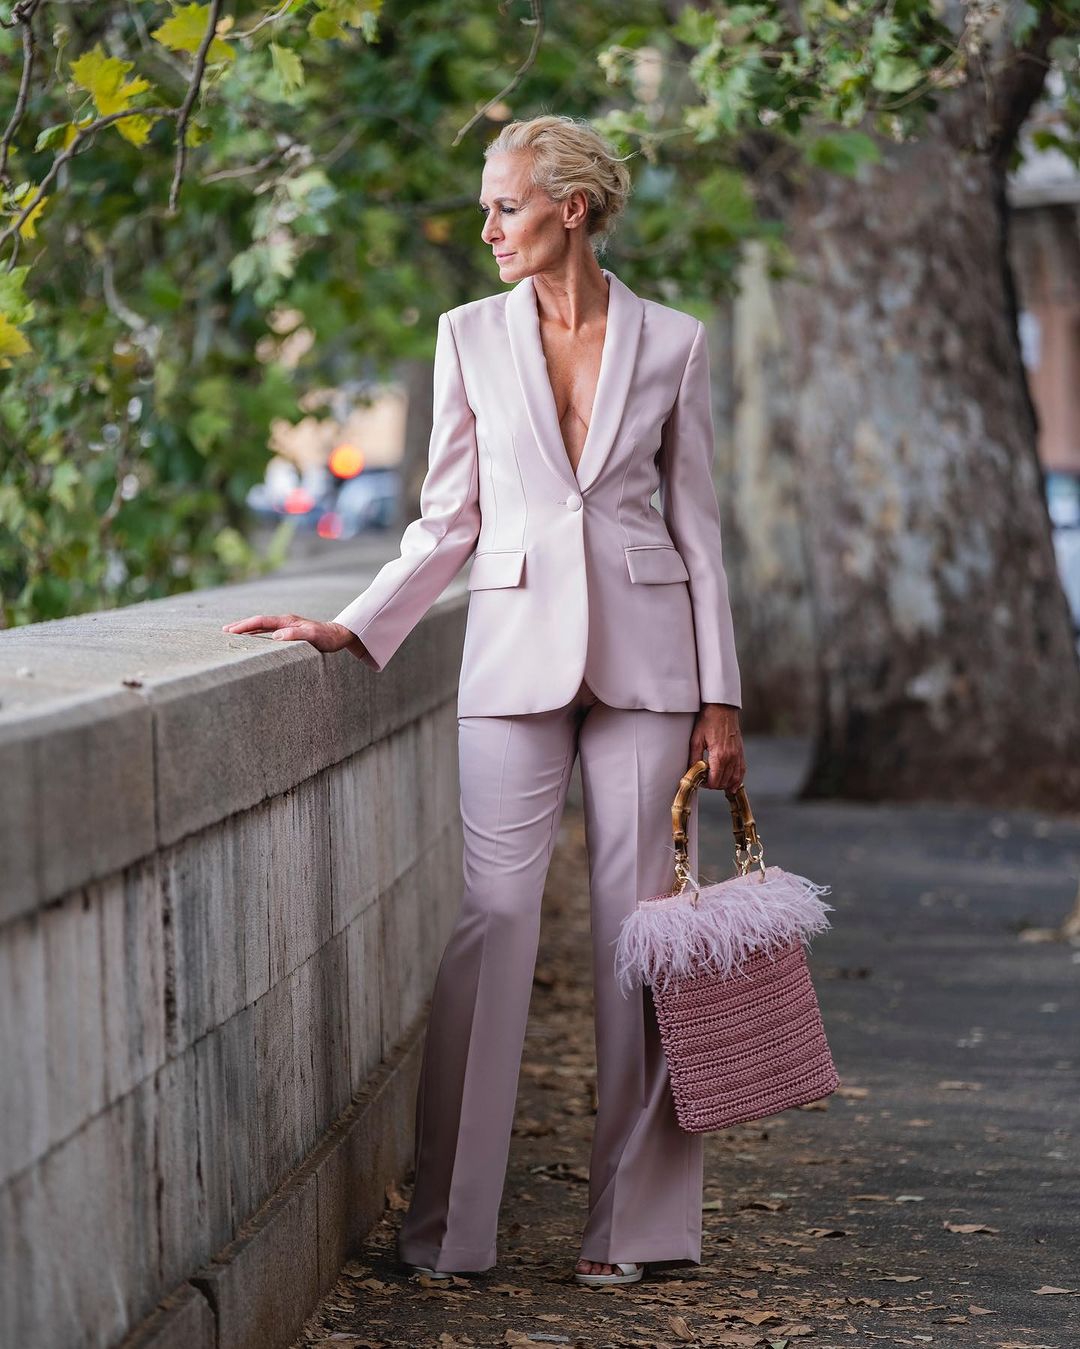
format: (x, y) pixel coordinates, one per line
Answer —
(645, 1172)
(645, 1186)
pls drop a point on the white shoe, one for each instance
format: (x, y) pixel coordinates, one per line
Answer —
(431, 1273)
(627, 1273)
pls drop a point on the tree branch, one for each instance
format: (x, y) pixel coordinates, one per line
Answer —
(538, 20)
(24, 17)
(189, 101)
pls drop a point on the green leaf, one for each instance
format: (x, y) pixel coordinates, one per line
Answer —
(104, 79)
(896, 74)
(184, 31)
(51, 136)
(12, 342)
(843, 152)
(288, 66)
(65, 479)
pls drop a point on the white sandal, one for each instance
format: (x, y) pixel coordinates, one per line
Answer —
(431, 1273)
(628, 1273)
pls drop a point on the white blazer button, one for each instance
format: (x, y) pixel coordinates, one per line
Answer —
(573, 503)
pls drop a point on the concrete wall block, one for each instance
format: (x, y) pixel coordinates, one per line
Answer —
(183, 1206)
(75, 1042)
(387, 823)
(217, 894)
(300, 904)
(403, 982)
(365, 996)
(24, 1021)
(277, 1104)
(380, 1145)
(133, 959)
(214, 1143)
(245, 1133)
(267, 710)
(375, 1148)
(305, 1035)
(426, 668)
(330, 1022)
(78, 788)
(442, 758)
(83, 1227)
(19, 842)
(354, 835)
(183, 1320)
(264, 1285)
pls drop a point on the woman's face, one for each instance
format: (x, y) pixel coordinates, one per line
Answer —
(524, 228)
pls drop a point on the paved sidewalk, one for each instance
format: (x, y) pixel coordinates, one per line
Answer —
(928, 1201)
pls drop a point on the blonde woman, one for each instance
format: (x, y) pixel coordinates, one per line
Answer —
(598, 627)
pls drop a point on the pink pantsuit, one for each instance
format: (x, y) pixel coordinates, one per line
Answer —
(597, 626)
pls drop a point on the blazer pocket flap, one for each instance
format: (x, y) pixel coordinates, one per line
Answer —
(500, 567)
(655, 562)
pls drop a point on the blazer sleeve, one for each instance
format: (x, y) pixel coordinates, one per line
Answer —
(692, 514)
(436, 546)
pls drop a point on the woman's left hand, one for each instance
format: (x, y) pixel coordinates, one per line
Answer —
(717, 730)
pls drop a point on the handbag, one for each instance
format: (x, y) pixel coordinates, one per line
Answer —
(726, 963)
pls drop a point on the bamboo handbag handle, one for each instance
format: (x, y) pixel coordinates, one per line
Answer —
(748, 846)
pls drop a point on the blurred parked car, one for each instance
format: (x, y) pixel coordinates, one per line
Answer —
(368, 501)
(286, 493)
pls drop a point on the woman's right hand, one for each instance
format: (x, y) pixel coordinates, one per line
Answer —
(293, 628)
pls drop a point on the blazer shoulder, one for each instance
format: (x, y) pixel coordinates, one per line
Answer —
(464, 316)
(676, 323)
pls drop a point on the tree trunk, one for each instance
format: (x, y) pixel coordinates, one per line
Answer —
(759, 502)
(946, 660)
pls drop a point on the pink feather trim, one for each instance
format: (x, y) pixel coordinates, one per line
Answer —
(668, 937)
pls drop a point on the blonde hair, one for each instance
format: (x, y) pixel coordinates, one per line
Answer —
(569, 156)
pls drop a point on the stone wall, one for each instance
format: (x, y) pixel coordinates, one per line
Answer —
(228, 867)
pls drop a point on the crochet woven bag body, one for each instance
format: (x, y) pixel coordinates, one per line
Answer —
(726, 963)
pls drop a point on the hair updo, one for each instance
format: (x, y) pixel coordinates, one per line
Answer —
(569, 156)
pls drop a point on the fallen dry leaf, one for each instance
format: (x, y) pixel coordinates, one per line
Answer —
(1049, 1288)
(680, 1328)
(826, 1232)
(759, 1318)
(394, 1196)
(979, 1311)
(969, 1227)
(898, 1278)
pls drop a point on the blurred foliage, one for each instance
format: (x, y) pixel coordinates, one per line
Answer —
(162, 305)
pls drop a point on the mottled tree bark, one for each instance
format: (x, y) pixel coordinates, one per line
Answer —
(946, 661)
(757, 480)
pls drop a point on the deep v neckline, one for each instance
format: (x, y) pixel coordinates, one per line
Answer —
(596, 392)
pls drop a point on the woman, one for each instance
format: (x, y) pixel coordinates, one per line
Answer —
(597, 626)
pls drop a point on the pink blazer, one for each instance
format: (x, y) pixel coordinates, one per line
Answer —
(573, 575)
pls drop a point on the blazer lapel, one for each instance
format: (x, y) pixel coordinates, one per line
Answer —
(624, 318)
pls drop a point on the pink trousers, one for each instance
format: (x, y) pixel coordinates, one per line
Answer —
(645, 1173)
